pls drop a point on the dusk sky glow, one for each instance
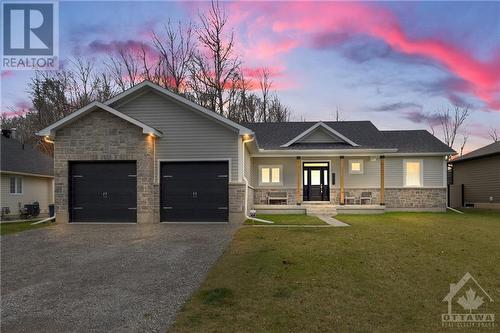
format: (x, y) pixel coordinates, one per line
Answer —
(394, 63)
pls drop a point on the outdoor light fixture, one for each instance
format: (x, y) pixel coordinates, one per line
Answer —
(47, 139)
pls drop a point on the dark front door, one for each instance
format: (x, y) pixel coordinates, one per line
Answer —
(102, 192)
(316, 181)
(194, 191)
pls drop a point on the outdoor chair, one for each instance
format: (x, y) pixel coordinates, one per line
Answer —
(367, 196)
(277, 196)
(349, 196)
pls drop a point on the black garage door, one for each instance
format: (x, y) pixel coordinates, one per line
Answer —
(103, 192)
(194, 191)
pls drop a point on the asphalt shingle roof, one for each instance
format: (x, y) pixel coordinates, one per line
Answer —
(17, 157)
(488, 150)
(271, 136)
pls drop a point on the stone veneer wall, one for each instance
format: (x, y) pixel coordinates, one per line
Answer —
(411, 198)
(260, 195)
(415, 198)
(102, 136)
(237, 202)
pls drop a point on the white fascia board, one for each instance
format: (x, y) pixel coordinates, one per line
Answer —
(324, 152)
(418, 154)
(242, 130)
(326, 127)
(49, 131)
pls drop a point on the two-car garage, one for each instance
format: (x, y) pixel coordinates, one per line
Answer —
(190, 191)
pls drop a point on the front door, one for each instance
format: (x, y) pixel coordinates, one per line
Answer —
(315, 181)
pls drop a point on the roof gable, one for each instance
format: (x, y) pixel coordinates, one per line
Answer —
(50, 130)
(320, 135)
(145, 85)
(320, 131)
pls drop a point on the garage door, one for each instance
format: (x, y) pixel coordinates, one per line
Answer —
(194, 191)
(103, 192)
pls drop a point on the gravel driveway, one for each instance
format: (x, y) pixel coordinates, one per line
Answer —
(104, 278)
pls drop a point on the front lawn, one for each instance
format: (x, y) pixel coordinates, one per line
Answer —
(287, 219)
(385, 273)
(10, 228)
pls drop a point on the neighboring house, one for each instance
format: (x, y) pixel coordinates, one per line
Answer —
(475, 178)
(149, 155)
(27, 176)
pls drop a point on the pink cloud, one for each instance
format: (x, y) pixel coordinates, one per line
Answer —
(280, 28)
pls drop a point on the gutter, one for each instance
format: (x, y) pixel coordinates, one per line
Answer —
(45, 220)
(247, 186)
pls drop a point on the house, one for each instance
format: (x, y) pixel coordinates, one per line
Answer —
(27, 176)
(149, 155)
(475, 178)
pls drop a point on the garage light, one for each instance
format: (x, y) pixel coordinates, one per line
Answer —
(247, 138)
(47, 139)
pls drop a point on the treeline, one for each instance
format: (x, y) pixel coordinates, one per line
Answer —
(196, 60)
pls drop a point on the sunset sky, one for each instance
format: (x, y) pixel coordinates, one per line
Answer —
(394, 63)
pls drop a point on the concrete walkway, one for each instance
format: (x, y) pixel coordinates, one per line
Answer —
(331, 221)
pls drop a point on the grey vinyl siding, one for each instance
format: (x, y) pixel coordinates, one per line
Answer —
(288, 164)
(394, 172)
(481, 179)
(186, 133)
(433, 171)
(369, 178)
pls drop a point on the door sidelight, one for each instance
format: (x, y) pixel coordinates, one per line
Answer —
(195, 195)
(105, 195)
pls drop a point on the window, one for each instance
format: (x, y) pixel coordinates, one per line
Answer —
(413, 173)
(355, 166)
(16, 185)
(271, 175)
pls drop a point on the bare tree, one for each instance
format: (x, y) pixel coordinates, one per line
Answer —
(265, 85)
(216, 65)
(176, 50)
(451, 122)
(465, 138)
(338, 114)
(493, 134)
(278, 112)
(124, 68)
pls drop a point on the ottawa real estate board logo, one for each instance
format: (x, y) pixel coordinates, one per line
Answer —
(467, 305)
(30, 35)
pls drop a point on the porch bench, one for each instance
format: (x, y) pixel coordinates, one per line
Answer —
(277, 196)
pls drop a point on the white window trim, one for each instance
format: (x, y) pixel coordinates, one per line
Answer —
(421, 161)
(280, 166)
(353, 172)
(15, 183)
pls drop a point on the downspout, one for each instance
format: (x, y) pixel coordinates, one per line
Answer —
(247, 186)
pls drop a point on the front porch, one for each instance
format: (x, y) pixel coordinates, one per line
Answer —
(319, 209)
(316, 185)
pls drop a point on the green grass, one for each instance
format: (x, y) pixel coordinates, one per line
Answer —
(10, 228)
(384, 273)
(287, 219)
